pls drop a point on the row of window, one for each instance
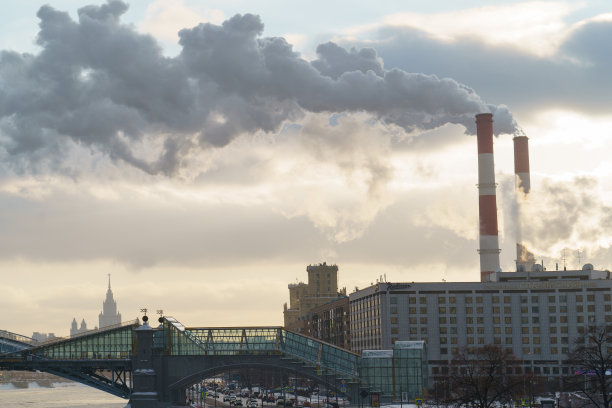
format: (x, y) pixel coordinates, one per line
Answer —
(496, 299)
(498, 320)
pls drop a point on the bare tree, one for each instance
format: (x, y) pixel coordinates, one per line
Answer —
(483, 376)
(590, 360)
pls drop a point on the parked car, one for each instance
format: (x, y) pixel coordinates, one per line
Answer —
(237, 402)
(226, 398)
(252, 404)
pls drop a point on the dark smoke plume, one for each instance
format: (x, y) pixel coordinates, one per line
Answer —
(99, 84)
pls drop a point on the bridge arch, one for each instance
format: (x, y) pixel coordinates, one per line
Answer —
(329, 381)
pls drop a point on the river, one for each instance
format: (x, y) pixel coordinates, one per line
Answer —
(62, 395)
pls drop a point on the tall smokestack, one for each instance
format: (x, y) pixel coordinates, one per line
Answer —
(521, 163)
(525, 260)
(487, 202)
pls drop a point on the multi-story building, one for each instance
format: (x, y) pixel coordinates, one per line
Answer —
(536, 314)
(322, 287)
(109, 316)
(330, 322)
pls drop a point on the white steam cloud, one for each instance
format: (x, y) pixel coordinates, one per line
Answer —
(98, 83)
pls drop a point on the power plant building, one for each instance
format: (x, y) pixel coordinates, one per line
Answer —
(536, 314)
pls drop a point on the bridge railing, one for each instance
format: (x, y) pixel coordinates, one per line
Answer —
(112, 342)
(322, 357)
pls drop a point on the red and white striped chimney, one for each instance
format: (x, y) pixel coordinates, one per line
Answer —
(487, 201)
(521, 163)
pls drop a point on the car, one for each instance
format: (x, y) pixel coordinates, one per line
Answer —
(237, 402)
(226, 398)
(252, 404)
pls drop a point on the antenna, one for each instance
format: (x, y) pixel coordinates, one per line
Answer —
(563, 256)
(579, 258)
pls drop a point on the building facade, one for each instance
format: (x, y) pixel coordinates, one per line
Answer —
(331, 323)
(537, 314)
(322, 287)
(396, 374)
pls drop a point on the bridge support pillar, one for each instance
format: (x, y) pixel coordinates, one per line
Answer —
(144, 390)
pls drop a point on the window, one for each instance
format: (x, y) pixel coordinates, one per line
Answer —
(535, 319)
(553, 330)
(468, 300)
(394, 330)
(394, 320)
(412, 320)
(590, 298)
(525, 330)
(591, 308)
(495, 299)
(423, 320)
(469, 310)
(607, 297)
(478, 299)
(496, 309)
(507, 310)
(469, 320)
(479, 310)
(442, 310)
(393, 300)
(525, 340)
(423, 310)
(442, 320)
(441, 300)
(413, 330)
(524, 320)
(442, 340)
(412, 301)
(496, 340)
(562, 309)
(508, 319)
(552, 309)
(453, 340)
(507, 299)
(535, 309)
(422, 301)
(393, 309)
(524, 309)
(551, 299)
(578, 298)
(443, 350)
(508, 340)
(552, 319)
(534, 299)
(452, 299)
(496, 320)
(497, 330)
(412, 310)
(453, 320)
(442, 330)
(508, 330)
(423, 330)
(470, 330)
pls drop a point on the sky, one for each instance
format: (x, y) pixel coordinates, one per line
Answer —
(204, 153)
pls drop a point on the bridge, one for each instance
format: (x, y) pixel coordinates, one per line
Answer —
(153, 367)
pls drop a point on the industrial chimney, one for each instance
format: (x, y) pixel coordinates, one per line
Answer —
(521, 164)
(525, 260)
(487, 202)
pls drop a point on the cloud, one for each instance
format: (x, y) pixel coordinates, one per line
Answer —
(98, 83)
(536, 27)
(574, 77)
(165, 18)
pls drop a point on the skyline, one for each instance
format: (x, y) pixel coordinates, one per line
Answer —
(210, 222)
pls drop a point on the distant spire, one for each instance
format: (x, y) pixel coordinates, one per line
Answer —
(109, 281)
